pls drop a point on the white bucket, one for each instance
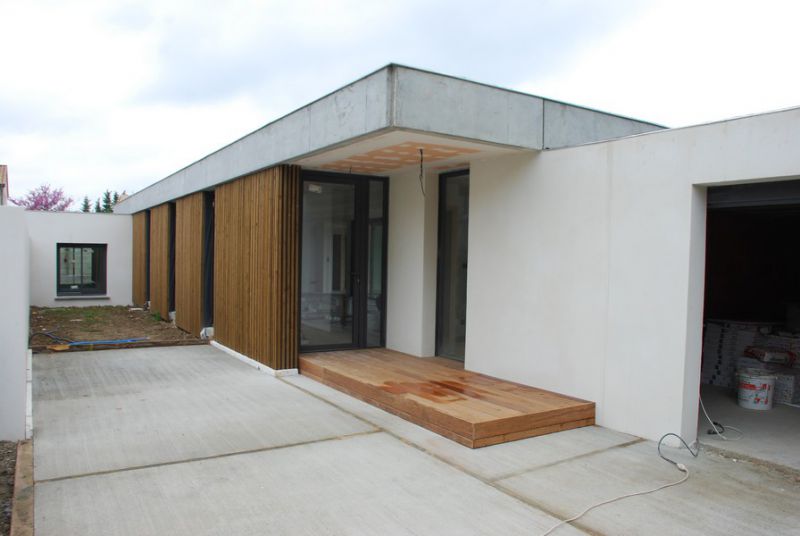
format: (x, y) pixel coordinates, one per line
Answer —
(755, 389)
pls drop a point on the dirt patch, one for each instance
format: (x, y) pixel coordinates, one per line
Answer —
(101, 323)
(774, 469)
(8, 459)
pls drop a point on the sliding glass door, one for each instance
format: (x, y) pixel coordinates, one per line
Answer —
(343, 261)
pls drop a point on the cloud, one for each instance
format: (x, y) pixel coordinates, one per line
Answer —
(101, 95)
(686, 62)
(277, 43)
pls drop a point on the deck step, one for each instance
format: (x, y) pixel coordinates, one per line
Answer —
(473, 409)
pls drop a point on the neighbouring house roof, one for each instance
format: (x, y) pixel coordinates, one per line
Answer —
(3, 184)
(377, 124)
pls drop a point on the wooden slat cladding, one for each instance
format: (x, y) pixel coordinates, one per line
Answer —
(140, 254)
(159, 259)
(189, 292)
(256, 266)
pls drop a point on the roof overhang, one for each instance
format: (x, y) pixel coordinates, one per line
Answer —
(385, 115)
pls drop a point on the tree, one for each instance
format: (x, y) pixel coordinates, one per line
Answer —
(44, 198)
(86, 206)
(108, 204)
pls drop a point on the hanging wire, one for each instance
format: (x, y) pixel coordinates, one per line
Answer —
(421, 172)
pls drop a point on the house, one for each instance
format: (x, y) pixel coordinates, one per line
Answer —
(538, 242)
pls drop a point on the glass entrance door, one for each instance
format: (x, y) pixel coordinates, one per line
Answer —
(451, 287)
(343, 260)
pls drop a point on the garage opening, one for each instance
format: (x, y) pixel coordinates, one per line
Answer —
(750, 377)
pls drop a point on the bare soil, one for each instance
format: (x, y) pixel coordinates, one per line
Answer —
(101, 323)
(8, 459)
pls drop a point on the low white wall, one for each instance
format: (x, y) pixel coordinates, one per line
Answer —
(47, 229)
(14, 324)
(586, 265)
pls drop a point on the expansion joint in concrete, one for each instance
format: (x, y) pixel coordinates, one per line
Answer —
(493, 482)
(204, 458)
(565, 460)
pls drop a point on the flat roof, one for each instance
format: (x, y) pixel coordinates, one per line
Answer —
(394, 98)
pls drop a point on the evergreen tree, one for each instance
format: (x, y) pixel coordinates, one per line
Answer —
(86, 206)
(115, 199)
(97, 206)
(107, 203)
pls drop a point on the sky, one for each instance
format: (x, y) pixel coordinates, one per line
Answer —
(115, 95)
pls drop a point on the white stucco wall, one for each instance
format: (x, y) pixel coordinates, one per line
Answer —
(586, 265)
(411, 259)
(14, 324)
(46, 229)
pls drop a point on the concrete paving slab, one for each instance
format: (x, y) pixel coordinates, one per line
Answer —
(369, 484)
(772, 435)
(721, 496)
(107, 410)
(490, 463)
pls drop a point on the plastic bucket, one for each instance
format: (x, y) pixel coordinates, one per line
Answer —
(755, 389)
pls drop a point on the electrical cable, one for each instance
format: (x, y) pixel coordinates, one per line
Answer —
(681, 467)
(421, 172)
(714, 425)
(673, 462)
(52, 335)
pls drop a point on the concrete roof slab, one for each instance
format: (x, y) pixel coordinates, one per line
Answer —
(430, 102)
(394, 98)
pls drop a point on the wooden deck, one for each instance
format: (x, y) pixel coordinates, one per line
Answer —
(472, 409)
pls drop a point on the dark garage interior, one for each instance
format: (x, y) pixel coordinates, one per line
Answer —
(751, 328)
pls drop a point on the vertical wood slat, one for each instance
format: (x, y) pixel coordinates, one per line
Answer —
(159, 259)
(255, 266)
(189, 250)
(140, 258)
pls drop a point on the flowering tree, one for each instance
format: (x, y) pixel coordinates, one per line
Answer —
(44, 198)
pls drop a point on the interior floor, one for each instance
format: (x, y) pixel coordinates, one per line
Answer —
(769, 435)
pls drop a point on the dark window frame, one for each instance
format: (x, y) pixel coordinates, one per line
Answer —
(440, 269)
(100, 287)
(362, 217)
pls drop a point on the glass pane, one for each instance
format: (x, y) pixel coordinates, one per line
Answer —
(326, 297)
(88, 268)
(375, 264)
(452, 284)
(69, 267)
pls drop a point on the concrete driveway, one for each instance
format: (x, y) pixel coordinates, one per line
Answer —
(187, 440)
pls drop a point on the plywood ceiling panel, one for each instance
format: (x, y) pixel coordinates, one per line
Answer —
(396, 156)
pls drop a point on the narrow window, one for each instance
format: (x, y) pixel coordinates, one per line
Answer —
(81, 269)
